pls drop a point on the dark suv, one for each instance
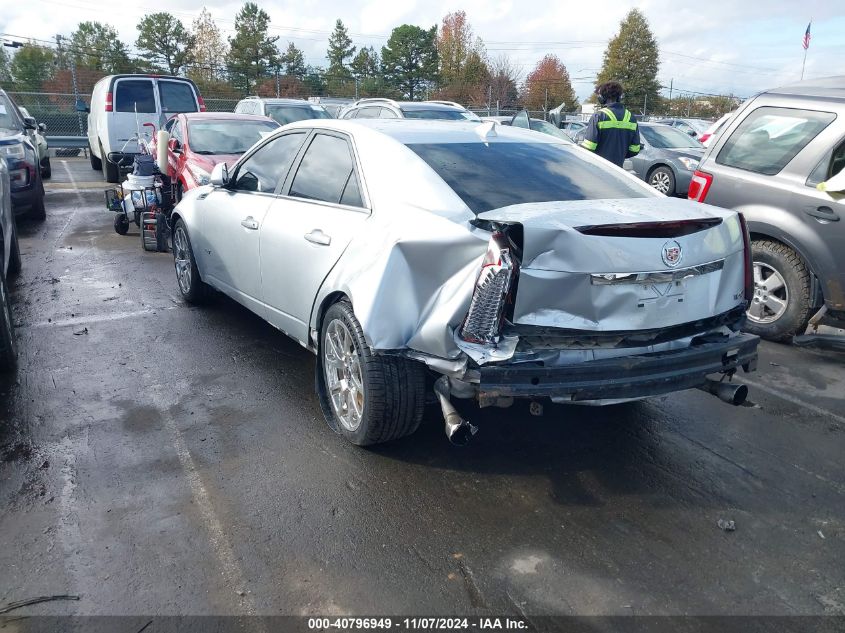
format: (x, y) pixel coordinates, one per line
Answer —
(22, 159)
(10, 263)
(768, 163)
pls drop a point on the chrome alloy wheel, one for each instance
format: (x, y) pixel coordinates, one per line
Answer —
(344, 380)
(771, 296)
(660, 181)
(182, 259)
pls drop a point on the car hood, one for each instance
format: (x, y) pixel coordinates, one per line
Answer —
(208, 161)
(8, 134)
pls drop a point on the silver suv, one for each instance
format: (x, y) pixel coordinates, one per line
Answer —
(767, 164)
(378, 108)
(282, 110)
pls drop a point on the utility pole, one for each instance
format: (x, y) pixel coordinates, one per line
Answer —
(356, 89)
(74, 83)
(645, 105)
(546, 103)
(278, 92)
(489, 98)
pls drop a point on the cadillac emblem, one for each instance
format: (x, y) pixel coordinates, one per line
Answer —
(671, 253)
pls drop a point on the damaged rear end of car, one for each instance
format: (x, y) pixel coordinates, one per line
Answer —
(597, 302)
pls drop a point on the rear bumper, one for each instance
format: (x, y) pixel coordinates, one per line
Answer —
(623, 378)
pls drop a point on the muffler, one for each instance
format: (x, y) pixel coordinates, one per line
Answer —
(458, 430)
(729, 392)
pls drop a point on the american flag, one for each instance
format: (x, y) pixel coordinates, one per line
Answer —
(806, 42)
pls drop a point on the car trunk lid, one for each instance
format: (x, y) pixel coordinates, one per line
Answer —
(622, 265)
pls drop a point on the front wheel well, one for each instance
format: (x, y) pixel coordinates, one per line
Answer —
(654, 168)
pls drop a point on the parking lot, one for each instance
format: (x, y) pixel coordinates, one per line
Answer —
(166, 459)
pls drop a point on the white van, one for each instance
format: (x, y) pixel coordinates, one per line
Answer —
(120, 104)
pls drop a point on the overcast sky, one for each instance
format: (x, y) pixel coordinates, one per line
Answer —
(722, 46)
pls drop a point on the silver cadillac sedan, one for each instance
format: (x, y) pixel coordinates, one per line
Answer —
(482, 261)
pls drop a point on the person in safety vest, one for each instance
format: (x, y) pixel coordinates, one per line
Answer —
(612, 132)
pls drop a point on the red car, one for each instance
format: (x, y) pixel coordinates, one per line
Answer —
(200, 140)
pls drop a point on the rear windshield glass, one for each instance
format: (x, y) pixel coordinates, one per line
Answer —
(664, 136)
(177, 96)
(769, 138)
(491, 175)
(288, 114)
(132, 93)
(447, 115)
(227, 137)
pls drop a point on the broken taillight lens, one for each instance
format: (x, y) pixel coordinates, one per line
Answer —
(483, 323)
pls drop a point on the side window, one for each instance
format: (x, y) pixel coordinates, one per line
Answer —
(387, 113)
(269, 165)
(351, 114)
(769, 138)
(240, 108)
(177, 96)
(370, 112)
(168, 127)
(326, 172)
(132, 93)
(176, 132)
(829, 166)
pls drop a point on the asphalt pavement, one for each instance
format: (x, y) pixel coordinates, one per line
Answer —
(157, 458)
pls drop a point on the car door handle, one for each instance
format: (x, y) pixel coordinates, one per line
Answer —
(822, 213)
(318, 237)
(250, 223)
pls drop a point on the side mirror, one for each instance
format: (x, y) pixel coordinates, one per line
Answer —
(691, 133)
(219, 175)
(42, 127)
(175, 146)
(81, 106)
(29, 123)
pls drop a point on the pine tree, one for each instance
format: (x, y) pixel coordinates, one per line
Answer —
(340, 49)
(365, 65)
(252, 52)
(632, 59)
(293, 62)
(96, 46)
(409, 60)
(164, 41)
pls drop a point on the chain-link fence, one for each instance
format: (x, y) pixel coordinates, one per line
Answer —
(55, 110)
(58, 111)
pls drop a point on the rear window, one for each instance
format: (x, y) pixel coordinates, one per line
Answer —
(770, 137)
(177, 96)
(134, 93)
(288, 114)
(447, 115)
(491, 175)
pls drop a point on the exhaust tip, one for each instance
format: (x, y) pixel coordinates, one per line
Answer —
(729, 392)
(459, 431)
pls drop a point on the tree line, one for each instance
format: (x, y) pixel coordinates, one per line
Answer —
(444, 61)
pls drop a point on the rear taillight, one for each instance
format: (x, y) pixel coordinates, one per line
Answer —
(483, 323)
(201, 103)
(109, 102)
(749, 266)
(699, 186)
(703, 138)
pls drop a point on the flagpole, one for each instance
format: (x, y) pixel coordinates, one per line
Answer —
(803, 64)
(806, 48)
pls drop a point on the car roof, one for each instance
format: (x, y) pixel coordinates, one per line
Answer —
(832, 88)
(407, 131)
(428, 105)
(281, 101)
(216, 116)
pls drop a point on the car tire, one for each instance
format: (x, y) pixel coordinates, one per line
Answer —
(8, 347)
(46, 169)
(179, 192)
(193, 289)
(121, 224)
(663, 179)
(38, 211)
(386, 394)
(96, 163)
(15, 254)
(111, 171)
(780, 277)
